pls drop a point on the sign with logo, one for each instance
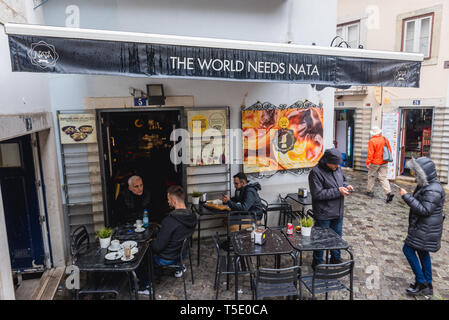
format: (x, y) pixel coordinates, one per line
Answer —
(87, 56)
(140, 102)
(390, 130)
(281, 138)
(77, 128)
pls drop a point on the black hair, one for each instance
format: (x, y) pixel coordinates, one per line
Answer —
(241, 176)
(176, 191)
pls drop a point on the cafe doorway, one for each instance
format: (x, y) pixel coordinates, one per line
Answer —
(344, 135)
(138, 143)
(416, 134)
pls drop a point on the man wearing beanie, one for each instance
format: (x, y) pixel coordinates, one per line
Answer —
(328, 188)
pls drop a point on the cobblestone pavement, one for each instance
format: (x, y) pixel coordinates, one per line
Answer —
(375, 231)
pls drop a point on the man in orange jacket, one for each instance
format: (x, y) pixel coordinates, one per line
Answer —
(376, 165)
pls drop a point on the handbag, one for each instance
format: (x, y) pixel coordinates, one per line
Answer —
(387, 156)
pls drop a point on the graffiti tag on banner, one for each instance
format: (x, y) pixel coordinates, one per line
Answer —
(77, 128)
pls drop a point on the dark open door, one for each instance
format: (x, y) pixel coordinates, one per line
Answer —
(20, 202)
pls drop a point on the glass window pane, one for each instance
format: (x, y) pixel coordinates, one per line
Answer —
(424, 40)
(409, 36)
(10, 155)
(340, 32)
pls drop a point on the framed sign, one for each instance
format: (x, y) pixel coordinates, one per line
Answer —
(390, 130)
(282, 138)
(77, 128)
(207, 129)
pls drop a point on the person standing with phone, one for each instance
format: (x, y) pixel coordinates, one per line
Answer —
(377, 166)
(425, 223)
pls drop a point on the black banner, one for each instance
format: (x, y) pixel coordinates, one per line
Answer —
(81, 56)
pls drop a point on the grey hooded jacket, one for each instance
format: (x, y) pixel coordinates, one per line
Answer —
(426, 207)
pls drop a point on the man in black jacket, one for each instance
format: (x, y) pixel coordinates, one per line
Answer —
(425, 223)
(131, 202)
(328, 188)
(178, 225)
(246, 196)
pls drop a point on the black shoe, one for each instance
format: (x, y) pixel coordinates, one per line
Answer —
(370, 194)
(429, 290)
(315, 263)
(389, 197)
(335, 261)
(419, 289)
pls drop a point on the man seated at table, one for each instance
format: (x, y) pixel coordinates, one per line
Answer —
(131, 202)
(246, 197)
(178, 225)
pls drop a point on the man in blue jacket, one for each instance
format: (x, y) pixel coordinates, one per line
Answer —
(246, 196)
(328, 188)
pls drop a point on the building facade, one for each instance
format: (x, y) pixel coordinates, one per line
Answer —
(415, 119)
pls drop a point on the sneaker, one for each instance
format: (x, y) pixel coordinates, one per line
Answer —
(315, 263)
(370, 194)
(145, 292)
(335, 261)
(389, 197)
(178, 273)
(419, 289)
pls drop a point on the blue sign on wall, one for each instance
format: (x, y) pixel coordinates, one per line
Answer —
(140, 102)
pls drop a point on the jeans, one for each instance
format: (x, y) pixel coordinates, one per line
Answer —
(337, 226)
(423, 271)
(142, 271)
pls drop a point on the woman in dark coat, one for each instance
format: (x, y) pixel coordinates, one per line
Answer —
(425, 223)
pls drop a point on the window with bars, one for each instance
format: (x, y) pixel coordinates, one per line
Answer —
(417, 35)
(350, 32)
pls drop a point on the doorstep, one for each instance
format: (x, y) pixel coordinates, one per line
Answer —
(48, 284)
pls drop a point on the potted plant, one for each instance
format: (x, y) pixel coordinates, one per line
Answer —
(196, 197)
(104, 234)
(306, 226)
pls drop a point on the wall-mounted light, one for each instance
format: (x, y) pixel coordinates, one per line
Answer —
(155, 94)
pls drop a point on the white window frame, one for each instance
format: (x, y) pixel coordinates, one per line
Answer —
(417, 34)
(345, 34)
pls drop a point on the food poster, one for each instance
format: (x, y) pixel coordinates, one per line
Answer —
(282, 139)
(77, 128)
(390, 130)
(207, 129)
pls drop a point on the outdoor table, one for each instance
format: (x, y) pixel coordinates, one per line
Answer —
(275, 244)
(320, 239)
(126, 232)
(206, 214)
(303, 201)
(93, 261)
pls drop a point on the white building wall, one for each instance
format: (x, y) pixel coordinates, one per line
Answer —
(302, 22)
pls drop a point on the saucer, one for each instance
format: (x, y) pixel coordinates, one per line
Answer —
(130, 258)
(139, 230)
(113, 255)
(114, 249)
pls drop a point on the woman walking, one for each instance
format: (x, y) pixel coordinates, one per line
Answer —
(425, 223)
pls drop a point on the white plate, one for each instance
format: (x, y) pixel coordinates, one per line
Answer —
(131, 243)
(113, 255)
(114, 249)
(139, 230)
(130, 258)
(133, 251)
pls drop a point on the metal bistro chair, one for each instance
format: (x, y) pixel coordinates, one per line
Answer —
(224, 266)
(277, 282)
(326, 278)
(283, 207)
(179, 265)
(101, 283)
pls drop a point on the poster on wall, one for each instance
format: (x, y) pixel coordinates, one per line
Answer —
(282, 138)
(390, 130)
(77, 128)
(207, 129)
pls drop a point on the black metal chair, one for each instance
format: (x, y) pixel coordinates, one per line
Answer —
(98, 283)
(283, 207)
(179, 265)
(326, 278)
(225, 265)
(277, 282)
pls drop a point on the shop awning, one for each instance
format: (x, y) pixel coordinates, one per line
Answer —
(62, 50)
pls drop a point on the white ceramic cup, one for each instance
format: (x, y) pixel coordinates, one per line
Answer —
(115, 244)
(139, 224)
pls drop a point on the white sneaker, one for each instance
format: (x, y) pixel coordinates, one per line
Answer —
(145, 292)
(178, 274)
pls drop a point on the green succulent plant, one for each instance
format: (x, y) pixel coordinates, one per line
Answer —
(104, 233)
(307, 222)
(196, 194)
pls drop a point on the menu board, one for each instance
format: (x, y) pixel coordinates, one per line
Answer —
(390, 130)
(207, 129)
(77, 128)
(282, 139)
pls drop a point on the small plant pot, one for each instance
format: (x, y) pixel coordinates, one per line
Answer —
(195, 200)
(305, 231)
(105, 242)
